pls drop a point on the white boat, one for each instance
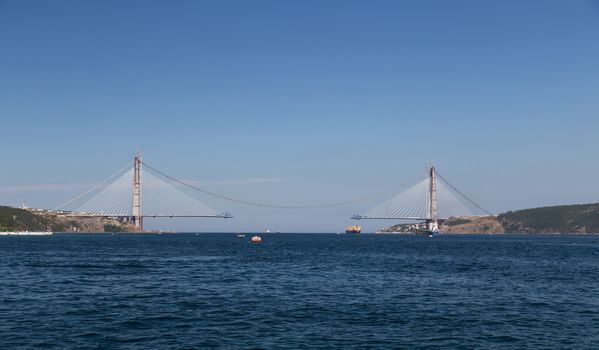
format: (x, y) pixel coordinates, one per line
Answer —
(26, 233)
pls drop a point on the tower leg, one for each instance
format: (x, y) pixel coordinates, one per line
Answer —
(432, 224)
(137, 218)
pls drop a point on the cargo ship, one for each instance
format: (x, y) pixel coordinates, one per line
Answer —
(353, 229)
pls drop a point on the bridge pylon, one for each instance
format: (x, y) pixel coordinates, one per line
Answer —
(432, 222)
(137, 217)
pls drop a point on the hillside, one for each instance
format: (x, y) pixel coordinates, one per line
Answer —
(578, 219)
(15, 219)
(483, 224)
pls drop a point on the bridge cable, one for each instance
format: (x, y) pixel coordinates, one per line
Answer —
(463, 195)
(94, 187)
(264, 205)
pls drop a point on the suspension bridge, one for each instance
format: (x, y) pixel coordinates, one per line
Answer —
(429, 200)
(121, 196)
(130, 195)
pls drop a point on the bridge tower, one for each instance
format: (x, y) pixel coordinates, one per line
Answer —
(137, 218)
(432, 222)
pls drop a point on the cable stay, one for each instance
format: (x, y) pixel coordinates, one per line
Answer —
(159, 199)
(427, 200)
(267, 205)
(94, 187)
(463, 195)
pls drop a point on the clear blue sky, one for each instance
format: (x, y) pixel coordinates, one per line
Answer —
(300, 102)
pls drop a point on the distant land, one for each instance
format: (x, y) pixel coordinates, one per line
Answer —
(16, 219)
(562, 219)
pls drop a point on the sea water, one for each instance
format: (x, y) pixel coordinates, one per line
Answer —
(124, 291)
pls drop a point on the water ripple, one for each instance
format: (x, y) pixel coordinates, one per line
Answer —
(299, 291)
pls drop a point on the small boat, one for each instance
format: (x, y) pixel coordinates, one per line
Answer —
(428, 233)
(427, 230)
(256, 239)
(26, 233)
(241, 235)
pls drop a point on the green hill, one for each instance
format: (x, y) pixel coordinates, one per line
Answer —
(579, 218)
(15, 219)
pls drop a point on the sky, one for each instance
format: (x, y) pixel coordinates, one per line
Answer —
(302, 102)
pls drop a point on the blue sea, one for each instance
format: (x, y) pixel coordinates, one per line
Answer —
(299, 291)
